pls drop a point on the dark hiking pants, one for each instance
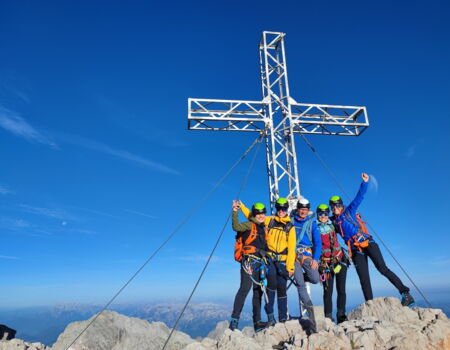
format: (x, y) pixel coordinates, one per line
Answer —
(362, 268)
(341, 278)
(244, 289)
(278, 269)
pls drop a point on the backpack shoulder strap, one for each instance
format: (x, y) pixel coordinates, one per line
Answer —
(309, 230)
(288, 227)
(252, 236)
(306, 228)
(362, 224)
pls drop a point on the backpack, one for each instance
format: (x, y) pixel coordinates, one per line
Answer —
(362, 238)
(241, 247)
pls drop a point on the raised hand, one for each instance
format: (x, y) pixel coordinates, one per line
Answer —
(365, 177)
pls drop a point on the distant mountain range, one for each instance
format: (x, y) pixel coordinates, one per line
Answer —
(44, 324)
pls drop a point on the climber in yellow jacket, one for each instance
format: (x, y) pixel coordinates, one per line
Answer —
(281, 242)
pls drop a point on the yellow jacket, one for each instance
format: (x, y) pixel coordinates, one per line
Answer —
(277, 240)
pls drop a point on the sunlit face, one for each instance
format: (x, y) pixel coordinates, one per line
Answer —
(260, 217)
(303, 212)
(323, 217)
(338, 209)
(282, 212)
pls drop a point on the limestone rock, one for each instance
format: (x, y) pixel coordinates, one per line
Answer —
(17, 344)
(235, 340)
(112, 331)
(326, 341)
(388, 309)
(217, 332)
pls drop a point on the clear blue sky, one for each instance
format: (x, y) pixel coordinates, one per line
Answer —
(97, 165)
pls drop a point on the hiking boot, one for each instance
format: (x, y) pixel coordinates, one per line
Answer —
(407, 299)
(259, 326)
(341, 318)
(234, 322)
(311, 315)
(271, 320)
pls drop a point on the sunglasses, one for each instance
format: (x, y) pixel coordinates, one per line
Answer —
(322, 214)
(282, 209)
(338, 206)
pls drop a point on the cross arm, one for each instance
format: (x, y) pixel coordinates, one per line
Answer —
(329, 119)
(226, 115)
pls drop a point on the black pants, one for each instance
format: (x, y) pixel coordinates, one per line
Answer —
(341, 277)
(362, 268)
(244, 288)
(278, 269)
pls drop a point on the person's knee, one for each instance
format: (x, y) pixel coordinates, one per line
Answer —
(244, 290)
(341, 293)
(299, 280)
(314, 278)
(383, 269)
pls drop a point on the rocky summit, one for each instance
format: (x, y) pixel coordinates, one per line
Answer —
(382, 323)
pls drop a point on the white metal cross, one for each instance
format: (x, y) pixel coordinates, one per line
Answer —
(277, 117)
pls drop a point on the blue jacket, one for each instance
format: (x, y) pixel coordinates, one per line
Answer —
(348, 226)
(315, 234)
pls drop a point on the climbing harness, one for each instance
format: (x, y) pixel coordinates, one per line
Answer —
(303, 253)
(252, 263)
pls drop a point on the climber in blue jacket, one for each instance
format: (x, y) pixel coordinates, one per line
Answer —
(308, 249)
(361, 244)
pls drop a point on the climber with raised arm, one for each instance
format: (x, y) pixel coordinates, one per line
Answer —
(250, 251)
(361, 244)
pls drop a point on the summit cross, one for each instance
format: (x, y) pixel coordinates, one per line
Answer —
(277, 117)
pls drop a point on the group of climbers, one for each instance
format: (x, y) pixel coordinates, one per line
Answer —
(273, 250)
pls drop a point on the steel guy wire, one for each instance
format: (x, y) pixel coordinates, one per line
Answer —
(244, 182)
(177, 228)
(335, 179)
